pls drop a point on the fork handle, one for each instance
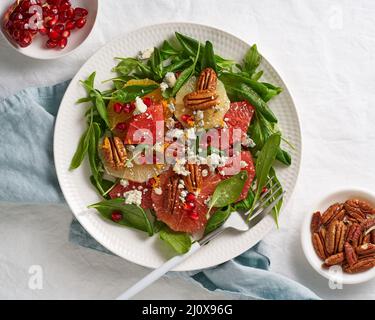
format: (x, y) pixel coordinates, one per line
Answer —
(158, 273)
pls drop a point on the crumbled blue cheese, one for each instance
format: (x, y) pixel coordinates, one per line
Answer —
(204, 173)
(199, 115)
(171, 107)
(183, 195)
(163, 86)
(170, 79)
(146, 54)
(248, 142)
(179, 167)
(170, 123)
(190, 133)
(243, 164)
(124, 182)
(140, 106)
(133, 197)
(175, 133)
(214, 160)
(158, 191)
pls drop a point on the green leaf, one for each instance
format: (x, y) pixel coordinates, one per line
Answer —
(284, 157)
(167, 50)
(132, 66)
(252, 60)
(129, 93)
(275, 182)
(177, 66)
(101, 107)
(257, 76)
(246, 203)
(179, 241)
(132, 215)
(228, 191)
(156, 64)
(264, 162)
(95, 135)
(186, 74)
(81, 150)
(189, 45)
(208, 58)
(218, 219)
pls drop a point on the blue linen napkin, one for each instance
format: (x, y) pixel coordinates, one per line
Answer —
(28, 175)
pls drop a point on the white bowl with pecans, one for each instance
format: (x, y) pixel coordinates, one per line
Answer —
(338, 238)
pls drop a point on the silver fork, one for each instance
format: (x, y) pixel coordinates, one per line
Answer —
(240, 221)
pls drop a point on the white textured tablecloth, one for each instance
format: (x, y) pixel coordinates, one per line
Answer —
(325, 52)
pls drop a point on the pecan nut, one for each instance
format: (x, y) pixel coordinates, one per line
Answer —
(318, 245)
(361, 265)
(172, 198)
(316, 222)
(201, 100)
(373, 236)
(337, 258)
(340, 236)
(356, 209)
(366, 249)
(354, 234)
(366, 239)
(330, 238)
(367, 224)
(114, 152)
(350, 254)
(193, 181)
(332, 213)
(207, 80)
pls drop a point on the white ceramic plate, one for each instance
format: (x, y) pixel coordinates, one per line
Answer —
(37, 48)
(136, 246)
(334, 274)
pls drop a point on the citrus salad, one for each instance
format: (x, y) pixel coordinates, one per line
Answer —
(183, 138)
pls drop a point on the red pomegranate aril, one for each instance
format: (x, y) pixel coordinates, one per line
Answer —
(49, 22)
(54, 10)
(63, 17)
(129, 107)
(121, 126)
(16, 16)
(70, 13)
(16, 34)
(190, 197)
(59, 28)
(116, 216)
(117, 107)
(64, 6)
(25, 5)
(186, 117)
(80, 23)
(70, 25)
(264, 190)
(194, 215)
(62, 43)
(189, 206)
(54, 35)
(80, 12)
(50, 44)
(43, 30)
(65, 34)
(25, 39)
(147, 101)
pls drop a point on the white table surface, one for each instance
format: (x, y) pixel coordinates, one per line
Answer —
(324, 50)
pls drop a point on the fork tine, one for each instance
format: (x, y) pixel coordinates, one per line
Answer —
(263, 199)
(267, 209)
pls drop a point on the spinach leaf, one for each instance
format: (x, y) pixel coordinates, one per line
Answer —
(103, 186)
(189, 45)
(179, 241)
(208, 58)
(218, 219)
(132, 215)
(156, 64)
(134, 67)
(257, 76)
(264, 162)
(228, 191)
(129, 93)
(81, 150)
(177, 66)
(252, 60)
(95, 135)
(167, 50)
(275, 183)
(284, 157)
(186, 74)
(224, 64)
(246, 203)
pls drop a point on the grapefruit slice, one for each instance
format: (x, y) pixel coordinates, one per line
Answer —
(179, 220)
(212, 117)
(118, 191)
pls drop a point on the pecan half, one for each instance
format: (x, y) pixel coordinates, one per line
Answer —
(367, 224)
(201, 100)
(207, 80)
(332, 213)
(366, 239)
(361, 265)
(316, 222)
(350, 254)
(354, 208)
(363, 206)
(318, 246)
(172, 198)
(366, 249)
(373, 236)
(114, 152)
(337, 258)
(331, 237)
(354, 234)
(193, 181)
(340, 236)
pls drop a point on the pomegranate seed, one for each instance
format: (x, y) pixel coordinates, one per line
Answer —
(43, 30)
(25, 5)
(80, 23)
(16, 16)
(25, 39)
(54, 2)
(147, 101)
(63, 16)
(70, 25)
(50, 44)
(70, 13)
(54, 10)
(116, 216)
(49, 22)
(59, 28)
(129, 107)
(189, 206)
(264, 190)
(80, 12)
(16, 34)
(190, 197)
(194, 215)
(64, 6)
(62, 43)
(65, 34)
(186, 118)
(117, 107)
(177, 74)
(121, 126)
(54, 35)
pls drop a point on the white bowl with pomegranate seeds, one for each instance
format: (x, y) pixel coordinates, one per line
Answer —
(335, 274)
(48, 29)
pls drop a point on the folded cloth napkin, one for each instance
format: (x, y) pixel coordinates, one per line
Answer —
(28, 175)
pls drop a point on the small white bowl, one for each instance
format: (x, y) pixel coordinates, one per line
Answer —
(37, 49)
(334, 274)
